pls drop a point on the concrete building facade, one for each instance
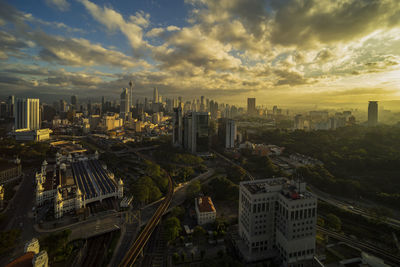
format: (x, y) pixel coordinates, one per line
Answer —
(277, 218)
(205, 210)
(26, 113)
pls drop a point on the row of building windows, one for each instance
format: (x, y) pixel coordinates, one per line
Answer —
(301, 253)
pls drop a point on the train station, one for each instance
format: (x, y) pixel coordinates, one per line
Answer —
(73, 182)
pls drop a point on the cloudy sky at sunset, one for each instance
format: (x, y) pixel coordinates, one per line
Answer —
(288, 52)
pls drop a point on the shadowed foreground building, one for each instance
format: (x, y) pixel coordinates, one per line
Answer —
(277, 219)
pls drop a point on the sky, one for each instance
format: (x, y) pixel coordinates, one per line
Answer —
(326, 53)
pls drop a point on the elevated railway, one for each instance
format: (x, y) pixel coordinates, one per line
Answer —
(136, 249)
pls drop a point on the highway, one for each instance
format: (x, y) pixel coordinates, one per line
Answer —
(382, 253)
(328, 198)
(137, 247)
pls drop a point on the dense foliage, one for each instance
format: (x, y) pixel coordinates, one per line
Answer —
(221, 188)
(358, 161)
(8, 240)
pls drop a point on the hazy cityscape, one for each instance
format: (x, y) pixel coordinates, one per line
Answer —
(199, 133)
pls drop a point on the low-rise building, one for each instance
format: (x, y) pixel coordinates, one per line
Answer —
(10, 170)
(32, 135)
(205, 210)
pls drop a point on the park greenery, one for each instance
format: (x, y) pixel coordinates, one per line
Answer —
(221, 188)
(150, 187)
(359, 162)
(57, 246)
(30, 153)
(172, 227)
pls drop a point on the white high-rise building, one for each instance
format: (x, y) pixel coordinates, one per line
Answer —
(124, 105)
(26, 113)
(277, 218)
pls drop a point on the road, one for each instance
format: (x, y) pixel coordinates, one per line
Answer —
(394, 260)
(353, 209)
(329, 199)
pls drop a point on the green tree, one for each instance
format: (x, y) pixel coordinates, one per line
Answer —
(141, 192)
(193, 189)
(198, 232)
(178, 211)
(186, 172)
(333, 222)
(236, 174)
(175, 257)
(172, 227)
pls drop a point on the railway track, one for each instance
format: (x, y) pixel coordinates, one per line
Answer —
(394, 259)
(137, 247)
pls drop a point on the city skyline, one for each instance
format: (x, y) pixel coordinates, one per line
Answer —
(221, 50)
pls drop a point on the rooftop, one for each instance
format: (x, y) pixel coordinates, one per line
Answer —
(205, 204)
(261, 186)
(23, 261)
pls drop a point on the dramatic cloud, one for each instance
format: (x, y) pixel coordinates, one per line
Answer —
(228, 49)
(61, 5)
(114, 21)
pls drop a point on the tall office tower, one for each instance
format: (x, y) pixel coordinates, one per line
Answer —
(277, 218)
(3, 110)
(207, 104)
(89, 107)
(373, 113)
(26, 113)
(146, 104)
(74, 102)
(234, 111)
(63, 105)
(10, 104)
(251, 106)
(180, 100)
(131, 92)
(196, 132)
(177, 130)
(299, 122)
(202, 105)
(103, 106)
(160, 98)
(124, 105)
(275, 110)
(227, 132)
(155, 95)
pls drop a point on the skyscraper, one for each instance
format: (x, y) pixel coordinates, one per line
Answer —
(63, 105)
(196, 132)
(177, 134)
(227, 132)
(124, 105)
(373, 113)
(251, 106)
(155, 95)
(131, 92)
(26, 113)
(74, 102)
(10, 106)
